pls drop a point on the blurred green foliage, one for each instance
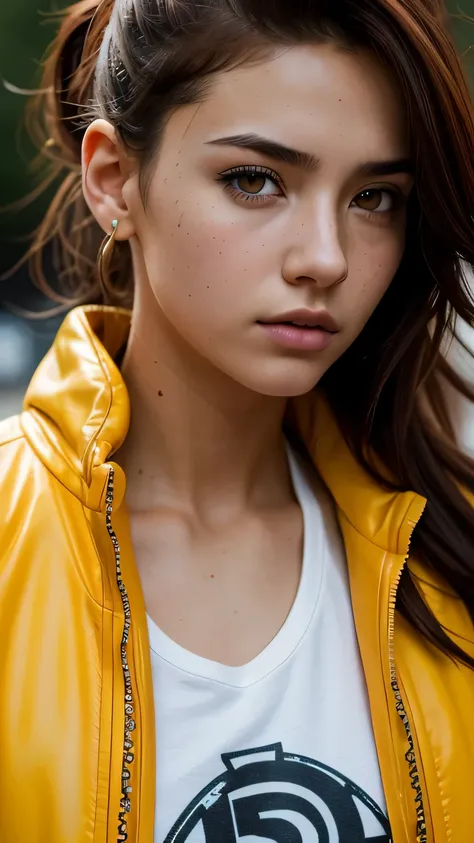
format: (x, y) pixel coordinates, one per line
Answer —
(26, 28)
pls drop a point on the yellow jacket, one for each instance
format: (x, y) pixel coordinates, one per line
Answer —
(73, 629)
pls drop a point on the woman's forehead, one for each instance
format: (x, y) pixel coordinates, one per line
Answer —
(309, 98)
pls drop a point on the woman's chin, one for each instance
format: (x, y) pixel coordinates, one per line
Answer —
(283, 385)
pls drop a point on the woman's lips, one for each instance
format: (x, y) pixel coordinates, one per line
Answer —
(297, 337)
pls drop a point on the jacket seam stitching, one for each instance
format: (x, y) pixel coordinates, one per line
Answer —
(91, 597)
(371, 541)
(105, 372)
(15, 438)
(101, 684)
(385, 550)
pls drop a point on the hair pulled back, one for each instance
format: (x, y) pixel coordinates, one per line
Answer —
(133, 61)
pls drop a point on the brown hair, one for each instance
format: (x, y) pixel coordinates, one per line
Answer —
(133, 61)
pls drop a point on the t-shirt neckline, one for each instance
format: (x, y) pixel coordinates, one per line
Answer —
(299, 618)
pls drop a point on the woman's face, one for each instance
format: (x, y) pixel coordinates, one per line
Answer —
(280, 199)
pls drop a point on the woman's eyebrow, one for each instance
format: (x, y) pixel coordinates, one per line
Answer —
(386, 168)
(306, 161)
(271, 148)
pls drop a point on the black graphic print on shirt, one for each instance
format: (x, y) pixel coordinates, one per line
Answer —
(270, 795)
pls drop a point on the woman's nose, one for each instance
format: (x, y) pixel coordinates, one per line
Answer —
(316, 253)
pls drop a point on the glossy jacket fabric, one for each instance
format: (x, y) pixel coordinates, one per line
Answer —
(75, 665)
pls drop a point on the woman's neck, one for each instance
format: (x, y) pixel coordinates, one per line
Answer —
(198, 441)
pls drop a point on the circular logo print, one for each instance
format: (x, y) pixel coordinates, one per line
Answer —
(270, 796)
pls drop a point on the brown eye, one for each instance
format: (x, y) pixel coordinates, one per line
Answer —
(375, 200)
(251, 182)
(369, 200)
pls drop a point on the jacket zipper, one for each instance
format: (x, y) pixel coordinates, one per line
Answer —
(129, 722)
(410, 755)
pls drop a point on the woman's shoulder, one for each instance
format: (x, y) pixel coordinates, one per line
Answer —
(10, 432)
(25, 482)
(20, 469)
(47, 543)
(17, 461)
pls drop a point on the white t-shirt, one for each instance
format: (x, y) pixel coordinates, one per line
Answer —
(280, 749)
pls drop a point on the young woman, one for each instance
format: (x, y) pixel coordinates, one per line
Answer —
(237, 534)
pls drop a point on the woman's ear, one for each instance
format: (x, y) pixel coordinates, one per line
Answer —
(103, 178)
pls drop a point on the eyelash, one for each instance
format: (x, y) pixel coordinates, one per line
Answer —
(227, 176)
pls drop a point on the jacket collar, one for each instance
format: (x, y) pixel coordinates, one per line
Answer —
(77, 414)
(76, 409)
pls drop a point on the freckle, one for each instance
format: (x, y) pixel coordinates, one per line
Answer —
(220, 253)
(208, 287)
(160, 393)
(155, 361)
(176, 202)
(212, 576)
(189, 295)
(140, 470)
(340, 100)
(236, 611)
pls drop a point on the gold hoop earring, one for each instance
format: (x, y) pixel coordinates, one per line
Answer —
(103, 260)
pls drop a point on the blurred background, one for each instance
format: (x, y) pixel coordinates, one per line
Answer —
(26, 28)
